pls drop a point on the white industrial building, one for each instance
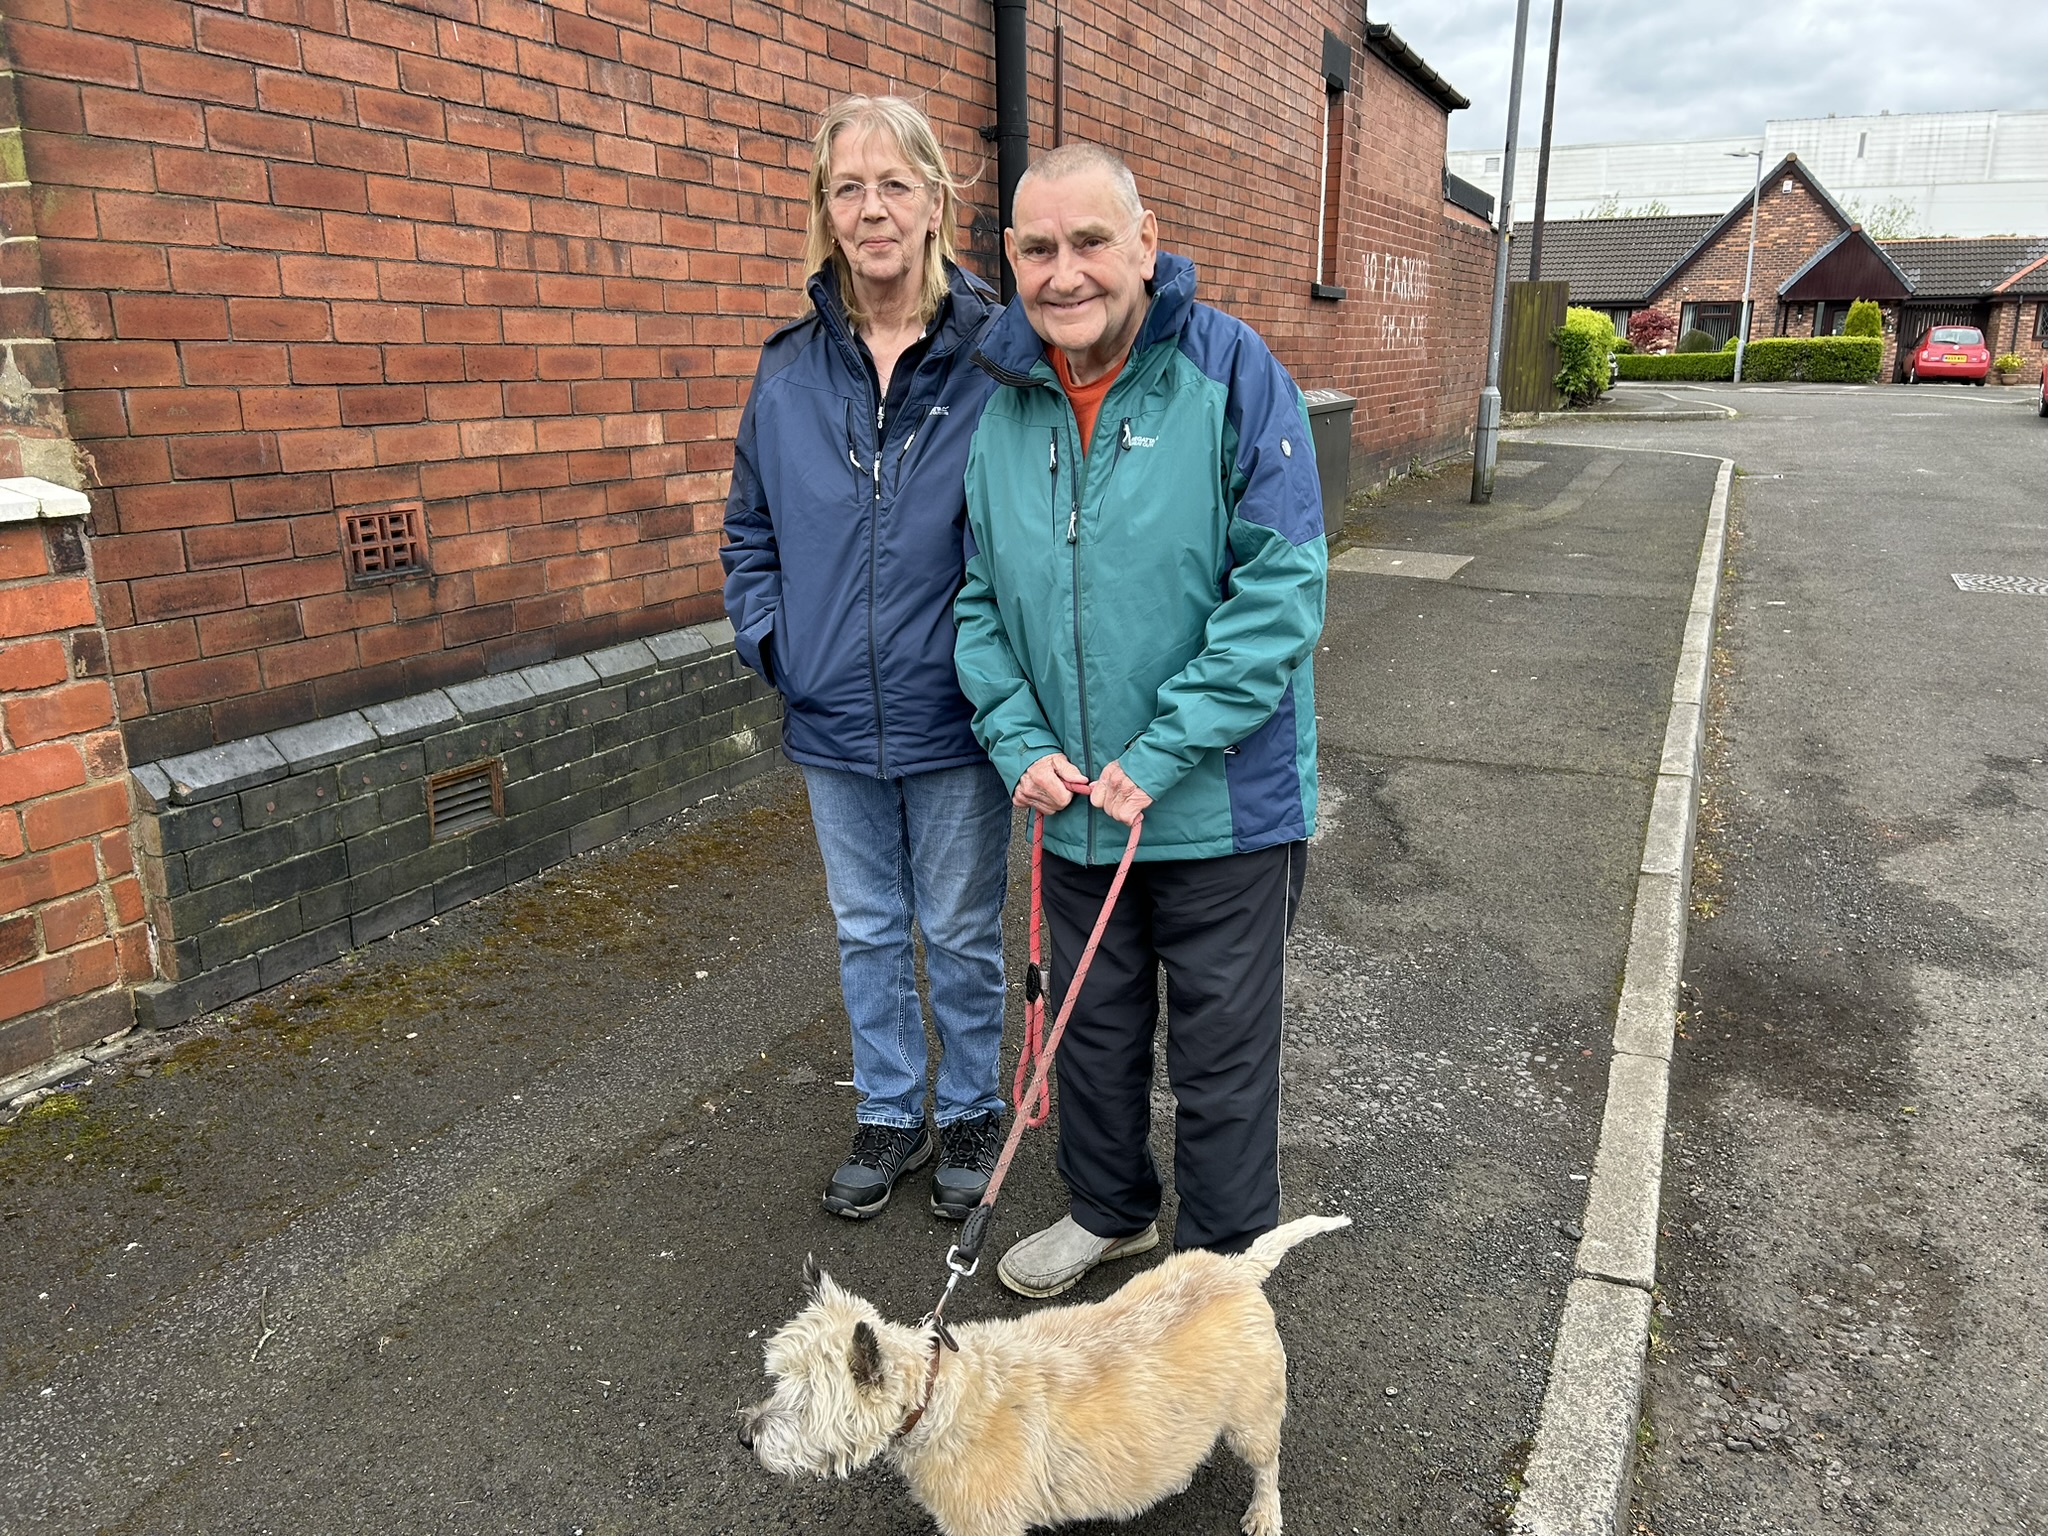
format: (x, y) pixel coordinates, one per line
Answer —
(1908, 173)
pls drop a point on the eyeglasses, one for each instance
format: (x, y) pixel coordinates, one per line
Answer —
(894, 192)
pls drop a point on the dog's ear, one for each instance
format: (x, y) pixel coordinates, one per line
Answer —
(814, 1277)
(866, 1357)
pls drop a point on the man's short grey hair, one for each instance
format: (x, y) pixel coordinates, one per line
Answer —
(1081, 159)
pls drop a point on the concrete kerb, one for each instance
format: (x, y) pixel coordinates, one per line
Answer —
(1579, 1470)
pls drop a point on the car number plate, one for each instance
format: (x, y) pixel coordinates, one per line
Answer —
(1954, 357)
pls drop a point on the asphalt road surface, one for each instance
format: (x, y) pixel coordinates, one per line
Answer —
(482, 1229)
(1855, 1254)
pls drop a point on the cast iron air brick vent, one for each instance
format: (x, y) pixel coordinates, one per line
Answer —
(391, 541)
(463, 799)
(2013, 586)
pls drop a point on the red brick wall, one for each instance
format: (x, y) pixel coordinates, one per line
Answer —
(1221, 119)
(514, 261)
(505, 258)
(70, 907)
(33, 437)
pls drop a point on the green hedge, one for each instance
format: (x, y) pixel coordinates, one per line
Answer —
(1814, 359)
(1772, 360)
(1584, 343)
(1699, 367)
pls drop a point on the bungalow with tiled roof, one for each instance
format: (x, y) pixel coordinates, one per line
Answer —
(1812, 261)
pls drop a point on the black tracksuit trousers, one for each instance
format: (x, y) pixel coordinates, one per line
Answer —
(1219, 928)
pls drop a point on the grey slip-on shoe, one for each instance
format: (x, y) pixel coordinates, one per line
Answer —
(1049, 1262)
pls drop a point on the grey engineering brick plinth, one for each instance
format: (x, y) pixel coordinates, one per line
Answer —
(269, 856)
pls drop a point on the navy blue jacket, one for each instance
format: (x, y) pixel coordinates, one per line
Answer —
(845, 552)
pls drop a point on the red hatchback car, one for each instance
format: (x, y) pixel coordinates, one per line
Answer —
(1950, 352)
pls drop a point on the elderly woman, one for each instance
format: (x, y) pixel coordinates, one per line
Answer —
(845, 528)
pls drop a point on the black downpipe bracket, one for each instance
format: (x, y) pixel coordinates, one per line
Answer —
(1013, 123)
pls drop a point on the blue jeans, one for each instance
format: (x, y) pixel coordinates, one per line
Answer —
(931, 849)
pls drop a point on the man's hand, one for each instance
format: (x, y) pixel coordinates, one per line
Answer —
(1117, 797)
(1044, 785)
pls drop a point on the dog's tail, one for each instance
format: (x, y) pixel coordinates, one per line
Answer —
(1267, 1252)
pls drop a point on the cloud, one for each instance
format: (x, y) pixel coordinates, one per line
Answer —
(1633, 70)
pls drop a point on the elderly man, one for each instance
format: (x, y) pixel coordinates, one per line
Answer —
(1144, 590)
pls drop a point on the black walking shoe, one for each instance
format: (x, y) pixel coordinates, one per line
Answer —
(881, 1155)
(968, 1150)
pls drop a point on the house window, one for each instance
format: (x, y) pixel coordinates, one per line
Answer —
(1620, 317)
(1717, 320)
(2041, 321)
(1330, 188)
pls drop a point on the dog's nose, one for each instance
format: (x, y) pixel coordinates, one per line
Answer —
(747, 1433)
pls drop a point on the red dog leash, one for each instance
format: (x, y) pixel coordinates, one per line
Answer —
(1035, 1061)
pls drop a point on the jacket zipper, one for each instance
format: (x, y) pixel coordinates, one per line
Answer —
(874, 644)
(1080, 662)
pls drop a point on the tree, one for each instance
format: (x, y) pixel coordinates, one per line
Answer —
(1865, 319)
(1896, 218)
(1609, 207)
(1651, 330)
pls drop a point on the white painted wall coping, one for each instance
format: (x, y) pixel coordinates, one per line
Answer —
(25, 498)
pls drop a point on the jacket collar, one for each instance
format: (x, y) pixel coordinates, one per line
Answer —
(969, 302)
(1011, 348)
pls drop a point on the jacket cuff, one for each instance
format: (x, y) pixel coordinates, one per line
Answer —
(1152, 770)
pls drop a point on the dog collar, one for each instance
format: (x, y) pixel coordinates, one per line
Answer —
(931, 1379)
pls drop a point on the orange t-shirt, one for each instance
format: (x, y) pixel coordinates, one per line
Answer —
(1085, 398)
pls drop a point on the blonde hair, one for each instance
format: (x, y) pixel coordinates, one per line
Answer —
(914, 137)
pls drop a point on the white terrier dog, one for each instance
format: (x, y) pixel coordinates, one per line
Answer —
(1071, 1413)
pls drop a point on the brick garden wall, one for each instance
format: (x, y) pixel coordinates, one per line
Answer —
(279, 852)
(71, 911)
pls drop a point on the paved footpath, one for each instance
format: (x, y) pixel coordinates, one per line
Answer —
(481, 1229)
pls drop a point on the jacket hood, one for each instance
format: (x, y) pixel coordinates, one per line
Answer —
(1011, 347)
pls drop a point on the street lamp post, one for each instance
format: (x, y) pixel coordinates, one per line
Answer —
(1486, 436)
(1748, 266)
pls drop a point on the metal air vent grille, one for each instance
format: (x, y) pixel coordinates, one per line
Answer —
(463, 799)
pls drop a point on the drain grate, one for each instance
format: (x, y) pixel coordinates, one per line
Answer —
(465, 798)
(2011, 586)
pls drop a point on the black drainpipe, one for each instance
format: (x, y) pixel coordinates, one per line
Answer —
(1013, 126)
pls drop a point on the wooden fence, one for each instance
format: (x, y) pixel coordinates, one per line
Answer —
(1528, 363)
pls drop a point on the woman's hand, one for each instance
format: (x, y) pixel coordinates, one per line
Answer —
(1117, 797)
(1044, 785)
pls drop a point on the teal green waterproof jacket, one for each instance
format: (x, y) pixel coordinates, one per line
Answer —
(1157, 602)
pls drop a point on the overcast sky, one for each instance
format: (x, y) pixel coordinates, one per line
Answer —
(1654, 69)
